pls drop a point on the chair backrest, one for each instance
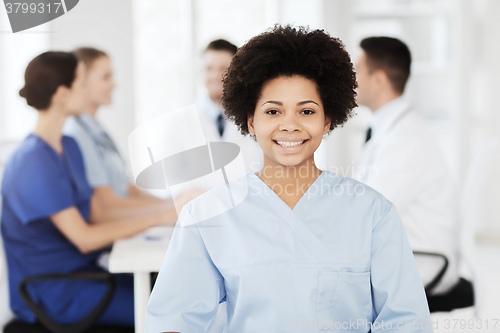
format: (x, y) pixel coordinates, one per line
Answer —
(438, 258)
(6, 149)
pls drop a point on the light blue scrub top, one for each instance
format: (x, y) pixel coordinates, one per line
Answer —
(103, 163)
(338, 261)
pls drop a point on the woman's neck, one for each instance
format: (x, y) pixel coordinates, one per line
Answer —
(289, 183)
(275, 173)
(92, 109)
(49, 127)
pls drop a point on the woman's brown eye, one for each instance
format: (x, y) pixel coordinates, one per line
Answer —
(308, 112)
(272, 111)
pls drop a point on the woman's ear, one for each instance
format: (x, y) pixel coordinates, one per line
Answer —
(250, 125)
(60, 95)
(328, 123)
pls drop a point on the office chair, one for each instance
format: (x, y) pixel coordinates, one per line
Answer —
(460, 296)
(46, 324)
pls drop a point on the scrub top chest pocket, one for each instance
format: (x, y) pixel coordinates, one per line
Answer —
(344, 301)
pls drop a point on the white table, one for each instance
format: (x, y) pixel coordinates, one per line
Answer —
(141, 255)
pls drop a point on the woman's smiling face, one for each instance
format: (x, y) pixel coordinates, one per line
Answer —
(289, 121)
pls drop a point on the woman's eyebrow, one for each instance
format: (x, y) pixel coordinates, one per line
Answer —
(274, 102)
(305, 102)
(298, 104)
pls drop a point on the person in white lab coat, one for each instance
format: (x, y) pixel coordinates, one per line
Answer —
(402, 160)
(216, 127)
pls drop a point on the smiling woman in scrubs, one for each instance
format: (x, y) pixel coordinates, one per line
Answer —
(306, 249)
(45, 223)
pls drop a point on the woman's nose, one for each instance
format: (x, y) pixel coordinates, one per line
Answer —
(289, 123)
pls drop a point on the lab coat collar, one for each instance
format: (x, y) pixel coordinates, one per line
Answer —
(387, 114)
(91, 123)
(212, 109)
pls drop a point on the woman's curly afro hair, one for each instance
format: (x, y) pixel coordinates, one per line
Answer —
(287, 51)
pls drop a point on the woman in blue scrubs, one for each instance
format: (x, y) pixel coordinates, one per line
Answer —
(46, 224)
(305, 249)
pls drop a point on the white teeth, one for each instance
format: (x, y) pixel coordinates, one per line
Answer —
(288, 144)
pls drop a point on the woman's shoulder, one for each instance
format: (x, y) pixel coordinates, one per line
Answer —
(219, 199)
(32, 159)
(34, 151)
(31, 150)
(69, 142)
(355, 194)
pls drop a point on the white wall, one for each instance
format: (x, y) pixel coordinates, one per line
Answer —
(105, 25)
(234, 20)
(17, 119)
(159, 78)
(170, 37)
(482, 116)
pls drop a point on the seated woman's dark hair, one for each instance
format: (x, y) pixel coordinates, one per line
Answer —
(45, 74)
(289, 51)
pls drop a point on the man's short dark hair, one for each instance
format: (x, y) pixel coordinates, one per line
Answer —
(222, 45)
(390, 55)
